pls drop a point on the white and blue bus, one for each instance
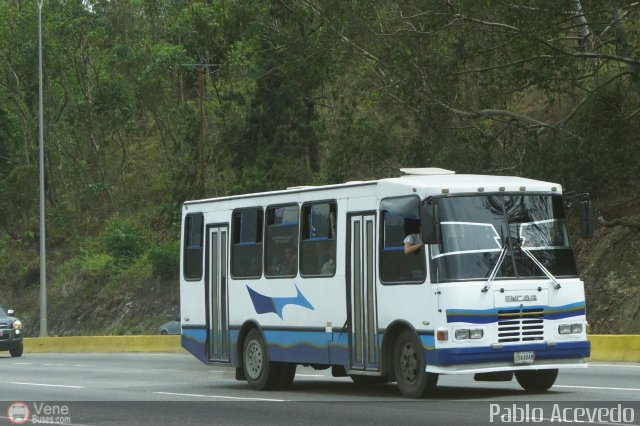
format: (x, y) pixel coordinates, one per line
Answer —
(318, 276)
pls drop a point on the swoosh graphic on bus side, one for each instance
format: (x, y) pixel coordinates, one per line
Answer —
(266, 304)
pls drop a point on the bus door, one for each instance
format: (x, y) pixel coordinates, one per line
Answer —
(363, 342)
(218, 338)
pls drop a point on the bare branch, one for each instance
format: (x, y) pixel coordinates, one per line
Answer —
(496, 114)
(488, 23)
(633, 114)
(591, 55)
(618, 222)
(626, 60)
(518, 62)
(586, 98)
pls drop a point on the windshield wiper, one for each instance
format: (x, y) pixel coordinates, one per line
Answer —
(541, 266)
(495, 269)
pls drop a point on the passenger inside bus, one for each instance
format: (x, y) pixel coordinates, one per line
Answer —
(290, 259)
(329, 265)
(285, 263)
(413, 241)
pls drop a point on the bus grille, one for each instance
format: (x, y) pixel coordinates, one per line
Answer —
(520, 325)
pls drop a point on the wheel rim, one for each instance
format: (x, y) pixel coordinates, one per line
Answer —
(253, 360)
(409, 363)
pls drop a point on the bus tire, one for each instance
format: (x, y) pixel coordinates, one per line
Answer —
(261, 374)
(536, 380)
(286, 373)
(409, 367)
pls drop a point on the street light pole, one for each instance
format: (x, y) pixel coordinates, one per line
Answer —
(43, 258)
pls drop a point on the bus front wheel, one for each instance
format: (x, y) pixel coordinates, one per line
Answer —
(258, 370)
(536, 380)
(409, 367)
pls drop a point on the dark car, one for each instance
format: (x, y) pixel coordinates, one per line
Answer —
(10, 333)
(171, 327)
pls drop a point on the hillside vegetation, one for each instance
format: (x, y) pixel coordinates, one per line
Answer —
(148, 103)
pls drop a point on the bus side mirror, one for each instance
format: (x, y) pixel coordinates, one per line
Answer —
(430, 224)
(586, 219)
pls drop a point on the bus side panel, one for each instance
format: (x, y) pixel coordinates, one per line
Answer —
(192, 306)
(301, 329)
(194, 341)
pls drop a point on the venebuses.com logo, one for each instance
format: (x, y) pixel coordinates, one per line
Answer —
(18, 413)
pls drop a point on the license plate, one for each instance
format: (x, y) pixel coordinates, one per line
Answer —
(524, 357)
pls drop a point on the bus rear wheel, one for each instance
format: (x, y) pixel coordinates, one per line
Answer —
(536, 380)
(409, 367)
(261, 374)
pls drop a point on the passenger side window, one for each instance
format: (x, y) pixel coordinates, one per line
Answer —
(193, 236)
(400, 217)
(281, 234)
(246, 247)
(318, 240)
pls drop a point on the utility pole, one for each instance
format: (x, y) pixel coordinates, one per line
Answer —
(43, 256)
(201, 95)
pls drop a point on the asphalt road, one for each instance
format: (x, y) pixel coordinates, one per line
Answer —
(159, 389)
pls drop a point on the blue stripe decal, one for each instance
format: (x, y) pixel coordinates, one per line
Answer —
(309, 347)
(487, 316)
(332, 348)
(428, 341)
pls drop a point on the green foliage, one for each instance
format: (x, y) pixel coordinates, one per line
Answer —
(125, 241)
(85, 268)
(164, 259)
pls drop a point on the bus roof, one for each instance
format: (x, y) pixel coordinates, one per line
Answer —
(419, 182)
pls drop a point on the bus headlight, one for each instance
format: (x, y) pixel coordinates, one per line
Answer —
(462, 334)
(564, 329)
(575, 328)
(466, 334)
(476, 333)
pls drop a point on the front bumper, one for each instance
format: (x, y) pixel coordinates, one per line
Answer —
(485, 359)
(9, 339)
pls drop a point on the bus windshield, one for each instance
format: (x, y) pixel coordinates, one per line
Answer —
(475, 228)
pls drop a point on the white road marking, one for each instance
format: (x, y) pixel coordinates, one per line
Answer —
(591, 364)
(310, 375)
(54, 365)
(48, 385)
(80, 365)
(22, 363)
(596, 387)
(221, 397)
